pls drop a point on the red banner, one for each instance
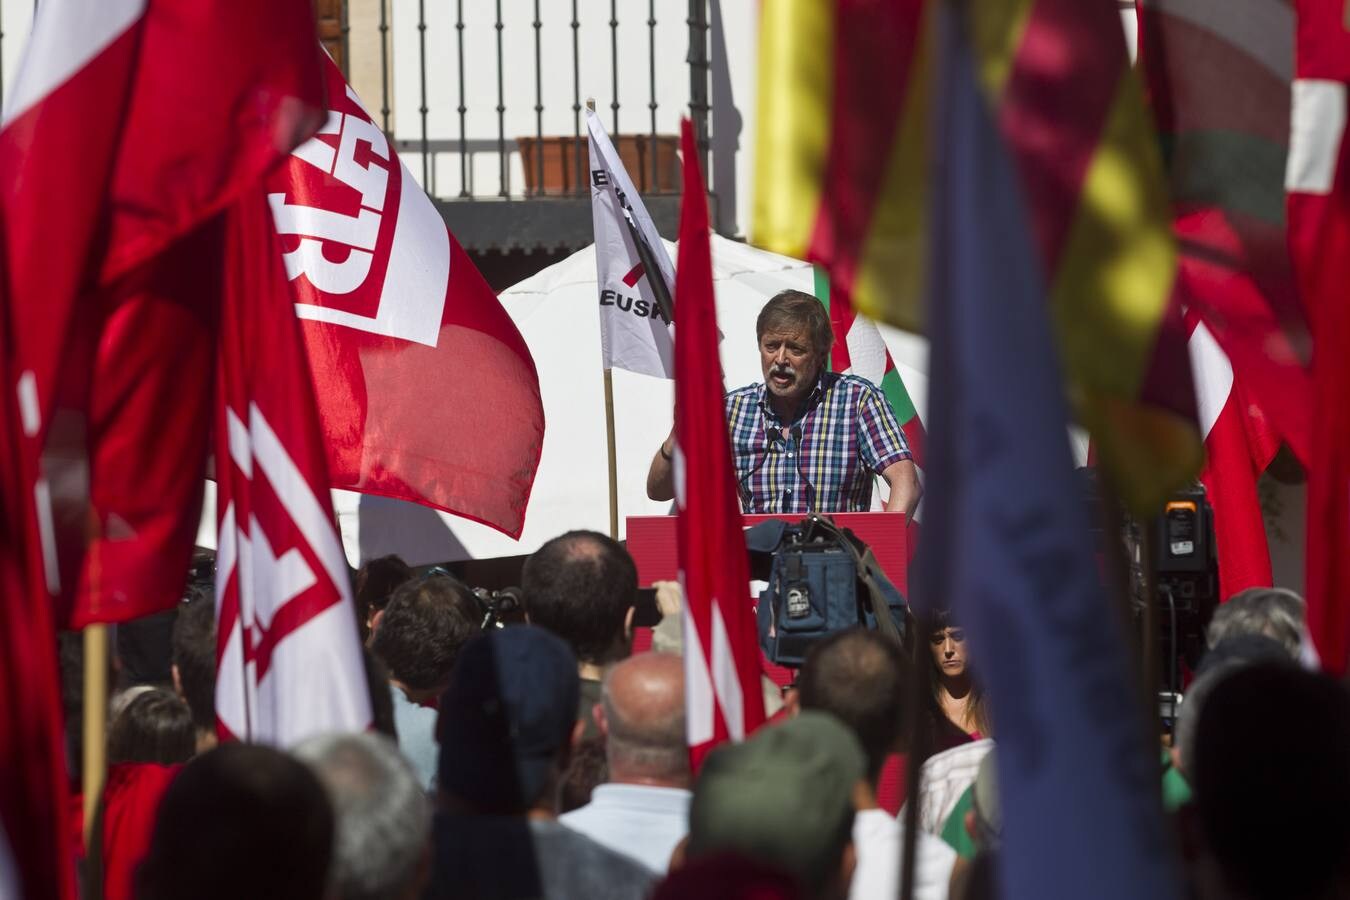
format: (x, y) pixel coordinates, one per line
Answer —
(427, 392)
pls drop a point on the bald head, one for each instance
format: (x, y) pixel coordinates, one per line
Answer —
(643, 713)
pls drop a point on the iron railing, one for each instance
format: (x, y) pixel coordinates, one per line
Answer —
(438, 117)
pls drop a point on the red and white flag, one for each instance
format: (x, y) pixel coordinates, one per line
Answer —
(134, 122)
(1239, 444)
(1318, 185)
(288, 656)
(426, 390)
(634, 330)
(721, 649)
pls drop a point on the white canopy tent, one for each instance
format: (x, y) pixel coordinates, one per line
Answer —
(556, 312)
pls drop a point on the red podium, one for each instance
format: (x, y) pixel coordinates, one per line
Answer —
(651, 543)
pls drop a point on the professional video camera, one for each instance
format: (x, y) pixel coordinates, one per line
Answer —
(500, 608)
(1184, 579)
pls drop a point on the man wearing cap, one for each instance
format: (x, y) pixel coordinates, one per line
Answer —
(805, 439)
(784, 798)
(507, 726)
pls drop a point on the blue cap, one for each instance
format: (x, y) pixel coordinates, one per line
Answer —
(510, 707)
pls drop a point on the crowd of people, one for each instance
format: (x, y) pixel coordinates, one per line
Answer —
(547, 759)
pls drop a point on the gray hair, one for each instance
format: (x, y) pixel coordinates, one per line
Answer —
(1274, 612)
(383, 815)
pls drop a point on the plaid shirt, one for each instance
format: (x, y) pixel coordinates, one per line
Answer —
(847, 432)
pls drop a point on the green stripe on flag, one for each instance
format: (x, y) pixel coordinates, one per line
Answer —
(821, 284)
(894, 389)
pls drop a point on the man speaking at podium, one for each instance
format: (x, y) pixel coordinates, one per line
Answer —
(805, 439)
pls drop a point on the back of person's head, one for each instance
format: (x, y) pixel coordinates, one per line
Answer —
(1272, 782)
(194, 654)
(383, 816)
(242, 820)
(507, 721)
(783, 797)
(642, 704)
(155, 727)
(376, 582)
(581, 586)
(862, 679)
(1274, 612)
(587, 769)
(424, 627)
(1223, 659)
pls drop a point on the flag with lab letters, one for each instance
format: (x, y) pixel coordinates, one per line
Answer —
(1007, 537)
(634, 300)
(721, 647)
(288, 655)
(426, 390)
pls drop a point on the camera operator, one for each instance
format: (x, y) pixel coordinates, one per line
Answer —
(418, 638)
(582, 586)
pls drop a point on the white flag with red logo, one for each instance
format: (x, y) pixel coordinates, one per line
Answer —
(426, 390)
(288, 657)
(634, 328)
(721, 647)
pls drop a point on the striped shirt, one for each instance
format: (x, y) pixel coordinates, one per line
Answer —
(825, 459)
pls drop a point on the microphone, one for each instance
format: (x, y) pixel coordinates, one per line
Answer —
(811, 489)
(771, 437)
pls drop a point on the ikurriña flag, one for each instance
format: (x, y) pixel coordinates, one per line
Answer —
(721, 648)
(288, 659)
(1007, 543)
(1219, 79)
(426, 390)
(842, 138)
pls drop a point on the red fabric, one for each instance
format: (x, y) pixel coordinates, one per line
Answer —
(1238, 446)
(151, 137)
(149, 421)
(288, 653)
(1319, 232)
(1222, 111)
(34, 809)
(721, 650)
(130, 800)
(876, 47)
(427, 392)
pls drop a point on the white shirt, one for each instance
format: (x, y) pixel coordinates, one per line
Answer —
(877, 837)
(636, 820)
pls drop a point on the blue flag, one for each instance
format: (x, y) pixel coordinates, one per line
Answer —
(1007, 541)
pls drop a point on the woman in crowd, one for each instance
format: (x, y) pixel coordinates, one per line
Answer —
(955, 691)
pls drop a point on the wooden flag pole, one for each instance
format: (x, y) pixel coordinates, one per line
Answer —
(613, 456)
(609, 430)
(95, 722)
